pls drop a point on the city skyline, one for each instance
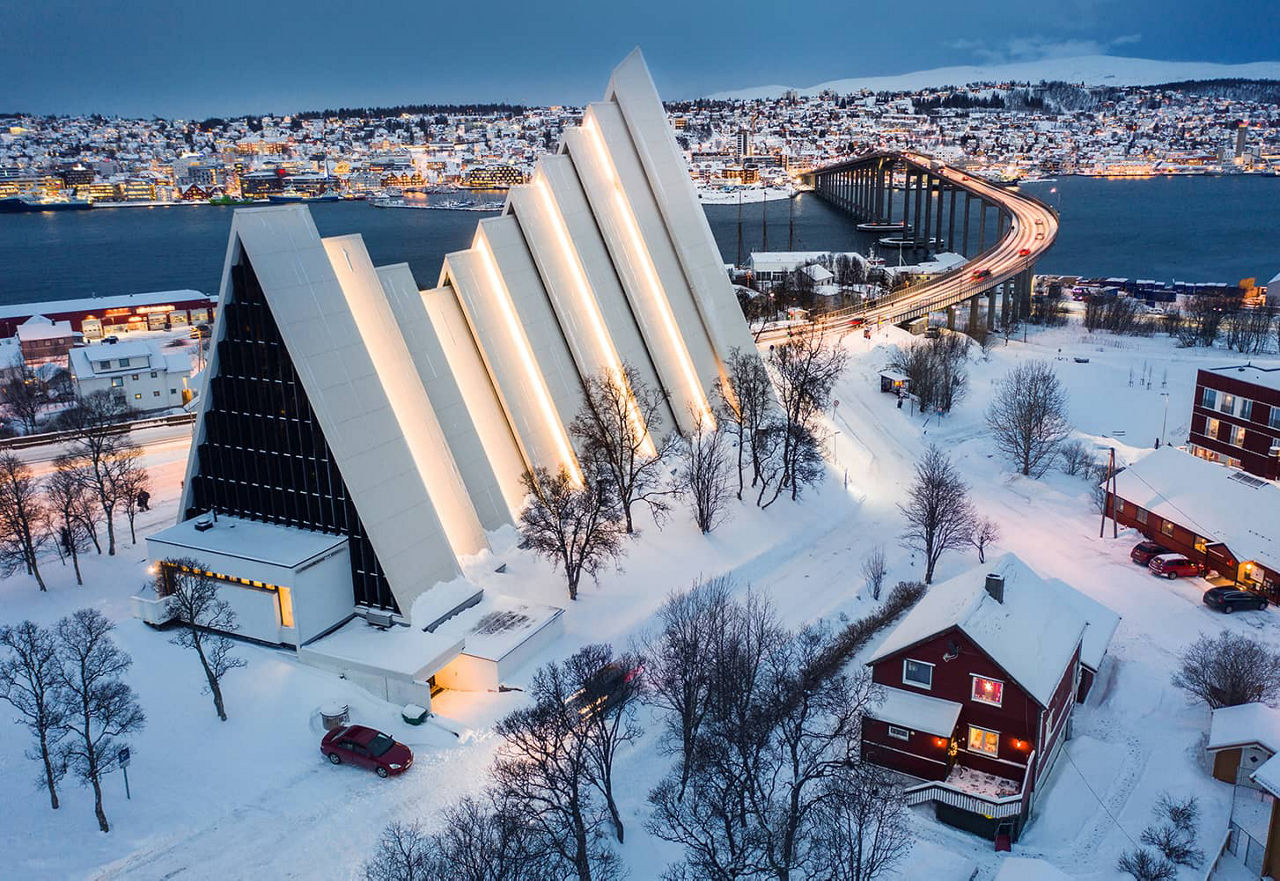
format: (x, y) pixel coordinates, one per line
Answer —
(157, 59)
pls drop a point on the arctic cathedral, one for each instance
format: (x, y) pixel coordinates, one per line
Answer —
(357, 437)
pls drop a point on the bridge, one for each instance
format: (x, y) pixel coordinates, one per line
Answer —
(1000, 231)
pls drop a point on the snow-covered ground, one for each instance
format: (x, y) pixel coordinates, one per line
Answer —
(252, 797)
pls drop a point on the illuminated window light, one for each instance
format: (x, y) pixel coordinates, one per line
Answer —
(286, 606)
(543, 397)
(650, 273)
(590, 308)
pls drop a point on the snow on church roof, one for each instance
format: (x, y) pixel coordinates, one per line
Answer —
(1032, 635)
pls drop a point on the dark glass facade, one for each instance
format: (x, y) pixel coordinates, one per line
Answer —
(264, 456)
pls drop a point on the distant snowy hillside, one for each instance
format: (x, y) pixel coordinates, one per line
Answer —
(1101, 70)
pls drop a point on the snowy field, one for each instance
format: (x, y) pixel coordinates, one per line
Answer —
(252, 797)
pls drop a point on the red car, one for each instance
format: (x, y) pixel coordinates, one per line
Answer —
(1173, 566)
(1024, 252)
(979, 274)
(1143, 551)
(367, 748)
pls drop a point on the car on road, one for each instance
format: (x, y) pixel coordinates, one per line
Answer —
(1228, 599)
(1143, 551)
(979, 274)
(1024, 252)
(1173, 566)
(367, 748)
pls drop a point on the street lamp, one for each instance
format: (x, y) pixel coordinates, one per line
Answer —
(1165, 420)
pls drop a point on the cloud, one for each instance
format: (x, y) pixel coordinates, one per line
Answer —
(1036, 48)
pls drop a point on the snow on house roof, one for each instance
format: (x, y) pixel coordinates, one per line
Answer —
(1208, 499)
(1268, 776)
(1245, 724)
(785, 261)
(1032, 635)
(919, 712)
(40, 328)
(101, 304)
(1267, 377)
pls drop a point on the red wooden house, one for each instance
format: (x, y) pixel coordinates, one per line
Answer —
(979, 681)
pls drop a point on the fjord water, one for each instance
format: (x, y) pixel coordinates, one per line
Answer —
(1188, 228)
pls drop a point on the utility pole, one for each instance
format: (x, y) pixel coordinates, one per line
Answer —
(739, 228)
(791, 222)
(1165, 420)
(764, 221)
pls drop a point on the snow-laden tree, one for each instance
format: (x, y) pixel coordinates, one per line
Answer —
(99, 708)
(619, 426)
(805, 371)
(24, 519)
(1027, 416)
(937, 510)
(746, 405)
(100, 450)
(29, 683)
(578, 525)
(205, 617)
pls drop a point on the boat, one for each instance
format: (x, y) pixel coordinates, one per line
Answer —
(290, 197)
(30, 204)
(904, 242)
(884, 226)
(232, 200)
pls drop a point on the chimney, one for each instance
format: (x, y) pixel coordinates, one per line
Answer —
(995, 586)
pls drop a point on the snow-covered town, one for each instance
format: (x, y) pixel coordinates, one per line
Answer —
(603, 557)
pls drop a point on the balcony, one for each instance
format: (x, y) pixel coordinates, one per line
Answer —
(975, 791)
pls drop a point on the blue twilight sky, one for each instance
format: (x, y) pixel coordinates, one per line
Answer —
(196, 58)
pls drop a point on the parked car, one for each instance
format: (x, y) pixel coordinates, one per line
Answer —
(367, 748)
(1173, 566)
(609, 687)
(1143, 551)
(1228, 599)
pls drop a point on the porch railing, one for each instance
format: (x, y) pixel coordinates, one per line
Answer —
(988, 806)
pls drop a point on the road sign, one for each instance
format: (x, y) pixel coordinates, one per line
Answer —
(123, 757)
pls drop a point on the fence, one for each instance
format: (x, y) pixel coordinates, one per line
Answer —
(54, 437)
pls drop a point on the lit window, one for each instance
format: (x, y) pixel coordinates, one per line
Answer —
(1211, 428)
(286, 606)
(117, 382)
(1166, 527)
(988, 691)
(1228, 404)
(983, 741)
(137, 396)
(134, 377)
(917, 673)
(1200, 544)
(899, 733)
(1237, 436)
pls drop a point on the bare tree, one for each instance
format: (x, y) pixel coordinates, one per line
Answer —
(67, 497)
(703, 475)
(1076, 457)
(874, 570)
(1144, 865)
(1228, 669)
(25, 397)
(606, 688)
(1028, 416)
(578, 526)
(97, 446)
(939, 515)
(24, 520)
(985, 532)
(543, 772)
(863, 828)
(128, 479)
(487, 841)
(806, 370)
(404, 852)
(207, 618)
(677, 673)
(746, 404)
(936, 369)
(29, 683)
(100, 707)
(620, 427)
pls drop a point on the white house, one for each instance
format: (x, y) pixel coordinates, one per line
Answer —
(143, 372)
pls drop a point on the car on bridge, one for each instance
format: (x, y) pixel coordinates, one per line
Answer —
(980, 274)
(1024, 252)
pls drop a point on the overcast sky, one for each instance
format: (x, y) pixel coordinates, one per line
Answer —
(195, 58)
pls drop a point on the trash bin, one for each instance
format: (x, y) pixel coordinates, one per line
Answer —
(414, 714)
(334, 715)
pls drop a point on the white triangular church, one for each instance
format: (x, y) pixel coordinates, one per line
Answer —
(357, 436)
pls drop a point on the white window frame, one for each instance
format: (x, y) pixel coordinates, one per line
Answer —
(968, 741)
(913, 683)
(973, 690)
(897, 732)
(1209, 398)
